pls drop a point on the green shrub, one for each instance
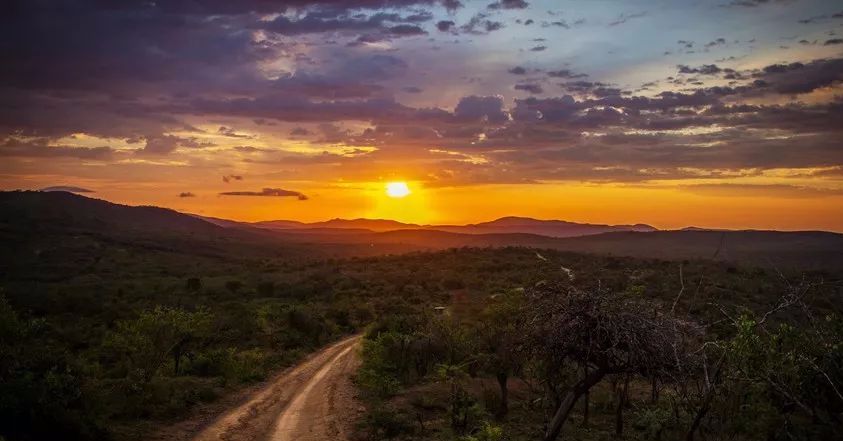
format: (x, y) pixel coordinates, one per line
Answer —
(385, 422)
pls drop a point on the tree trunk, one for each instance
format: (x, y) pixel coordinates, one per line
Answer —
(585, 403)
(622, 394)
(176, 360)
(700, 415)
(569, 401)
(706, 404)
(504, 406)
(654, 392)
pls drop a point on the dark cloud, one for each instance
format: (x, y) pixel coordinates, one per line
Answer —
(406, 30)
(452, 5)
(164, 144)
(509, 4)
(249, 149)
(186, 194)
(300, 131)
(322, 21)
(833, 41)
(481, 24)
(39, 148)
(705, 69)
(270, 192)
(625, 17)
(538, 48)
(557, 23)
(231, 133)
(445, 25)
(493, 25)
(717, 42)
(67, 188)
(286, 108)
(256, 65)
(354, 77)
(61, 76)
(795, 78)
(564, 73)
(229, 178)
(486, 108)
(753, 3)
(591, 87)
(530, 88)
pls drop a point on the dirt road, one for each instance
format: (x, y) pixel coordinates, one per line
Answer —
(313, 401)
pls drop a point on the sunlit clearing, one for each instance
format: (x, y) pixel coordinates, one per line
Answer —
(397, 189)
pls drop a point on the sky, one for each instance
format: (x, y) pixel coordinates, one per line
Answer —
(722, 113)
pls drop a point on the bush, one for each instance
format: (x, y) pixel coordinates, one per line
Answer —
(246, 366)
(487, 432)
(385, 422)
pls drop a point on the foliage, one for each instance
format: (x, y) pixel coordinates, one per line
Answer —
(622, 323)
(41, 392)
(487, 432)
(111, 317)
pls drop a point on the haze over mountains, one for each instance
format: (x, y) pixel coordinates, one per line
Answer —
(504, 225)
(32, 222)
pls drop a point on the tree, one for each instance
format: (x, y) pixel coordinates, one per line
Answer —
(606, 332)
(793, 369)
(156, 335)
(460, 402)
(498, 338)
(41, 393)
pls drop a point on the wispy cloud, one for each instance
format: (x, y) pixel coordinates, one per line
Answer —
(268, 192)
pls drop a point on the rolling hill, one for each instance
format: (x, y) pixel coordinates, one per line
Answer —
(504, 225)
(39, 224)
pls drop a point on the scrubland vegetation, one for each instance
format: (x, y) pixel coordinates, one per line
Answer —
(128, 338)
(627, 349)
(116, 322)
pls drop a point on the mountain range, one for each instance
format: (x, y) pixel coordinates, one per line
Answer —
(504, 225)
(35, 225)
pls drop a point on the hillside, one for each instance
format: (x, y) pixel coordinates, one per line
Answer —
(504, 225)
(99, 288)
(800, 249)
(57, 235)
(38, 224)
(551, 228)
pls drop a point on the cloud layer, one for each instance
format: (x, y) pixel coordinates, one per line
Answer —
(454, 93)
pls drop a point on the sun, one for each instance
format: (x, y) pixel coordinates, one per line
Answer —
(397, 189)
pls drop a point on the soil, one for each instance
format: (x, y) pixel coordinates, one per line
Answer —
(312, 401)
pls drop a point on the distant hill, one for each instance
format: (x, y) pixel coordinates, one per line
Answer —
(376, 225)
(59, 210)
(551, 228)
(57, 234)
(504, 225)
(66, 226)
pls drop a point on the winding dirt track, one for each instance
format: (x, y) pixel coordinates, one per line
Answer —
(313, 401)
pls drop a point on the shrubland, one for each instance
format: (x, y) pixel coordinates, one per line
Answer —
(113, 336)
(589, 347)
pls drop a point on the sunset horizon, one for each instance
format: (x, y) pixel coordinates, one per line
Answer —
(417, 208)
(724, 115)
(421, 220)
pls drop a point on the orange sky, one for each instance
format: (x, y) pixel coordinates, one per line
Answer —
(686, 114)
(662, 206)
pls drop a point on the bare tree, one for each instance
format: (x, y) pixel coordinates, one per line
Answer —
(606, 332)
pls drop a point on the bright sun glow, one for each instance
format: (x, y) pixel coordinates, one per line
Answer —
(397, 189)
